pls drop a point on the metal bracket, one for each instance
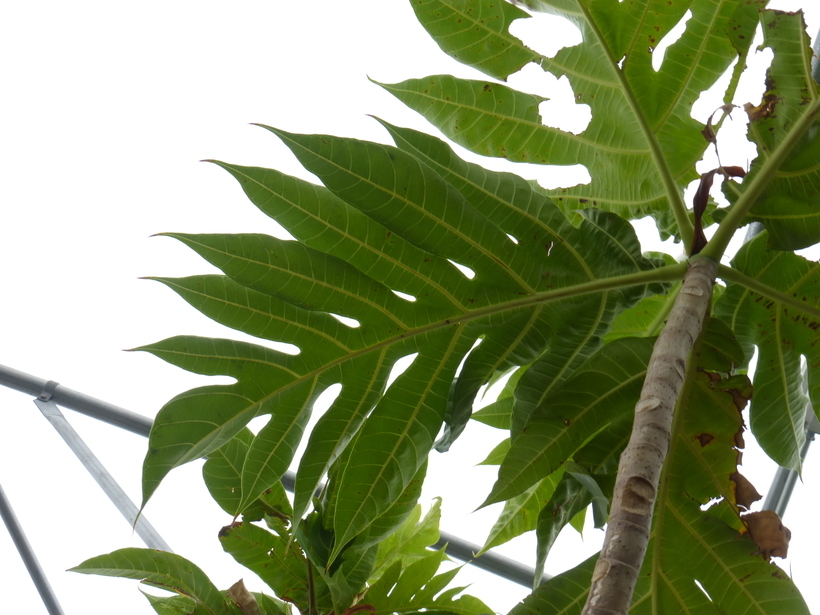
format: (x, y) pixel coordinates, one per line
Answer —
(48, 390)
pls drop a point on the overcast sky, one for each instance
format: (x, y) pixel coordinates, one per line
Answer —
(107, 109)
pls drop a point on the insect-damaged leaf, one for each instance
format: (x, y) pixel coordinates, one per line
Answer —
(791, 106)
(641, 125)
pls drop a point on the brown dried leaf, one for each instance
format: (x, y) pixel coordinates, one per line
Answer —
(701, 199)
(768, 532)
(243, 598)
(764, 109)
(745, 492)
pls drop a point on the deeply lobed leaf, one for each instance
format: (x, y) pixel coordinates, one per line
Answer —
(782, 332)
(788, 205)
(387, 219)
(641, 145)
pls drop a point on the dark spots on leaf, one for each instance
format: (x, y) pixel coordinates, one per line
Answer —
(566, 422)
(487, 87)
(704, 438)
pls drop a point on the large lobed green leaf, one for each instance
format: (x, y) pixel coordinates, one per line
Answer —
(698, 536)
(641, 145)
(388, 219)
(788, 206)
(782, 331)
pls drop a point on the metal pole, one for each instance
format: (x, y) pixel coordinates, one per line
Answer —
(67, 398)
(498, 565)
(110, 487)
(27, 555)
(136, 423)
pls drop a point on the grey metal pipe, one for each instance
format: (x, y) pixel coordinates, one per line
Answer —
(27, 555)
(68, 398)
(783, 483)
(48, 389)
(499, 565)
(98, 472)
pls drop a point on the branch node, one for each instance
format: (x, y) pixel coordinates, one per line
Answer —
(650, 403)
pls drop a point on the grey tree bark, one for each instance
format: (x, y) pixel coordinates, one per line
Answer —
(639, 470)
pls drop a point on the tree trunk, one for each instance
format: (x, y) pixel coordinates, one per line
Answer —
(639, 471)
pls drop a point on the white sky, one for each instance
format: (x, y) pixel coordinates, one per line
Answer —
(106, 109)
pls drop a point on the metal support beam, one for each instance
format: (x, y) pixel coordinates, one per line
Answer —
(68, 398)
(109, 413)
(498, 565)
(27, 555)
(110, 487)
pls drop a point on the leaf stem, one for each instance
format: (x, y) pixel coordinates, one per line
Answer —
(731, 274)
(313, 609)
(734, 219)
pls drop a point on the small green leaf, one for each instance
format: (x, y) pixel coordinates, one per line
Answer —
(496, 456)
(600, 500)
(520, 514)
(410, 542)
(277, 560)
(496, 414)
(416, 587)
(164, 570)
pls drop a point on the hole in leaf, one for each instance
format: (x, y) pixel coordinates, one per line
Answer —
(671, 37)
(622, 60)
(399, 367)
(404, 296)
(348, 322)
(562, 111)
(710, 503)
(326, 398)
(286, 348)
(552, 177)
(258, 423)
(468, 273)
(546, 34)
(513, 239)
(709, 101)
